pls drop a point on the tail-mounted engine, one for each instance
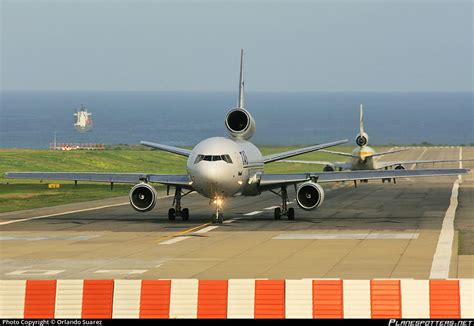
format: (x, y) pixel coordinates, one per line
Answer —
(309, 195)
(240, 124)
(143, 197)
(362, 139)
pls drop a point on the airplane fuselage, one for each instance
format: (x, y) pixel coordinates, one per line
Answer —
(363, 161)
(223, 167)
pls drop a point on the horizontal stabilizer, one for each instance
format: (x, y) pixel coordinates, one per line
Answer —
(387, 152)
(341, 165)
(295, 152)
(340, 153)
(307, 162)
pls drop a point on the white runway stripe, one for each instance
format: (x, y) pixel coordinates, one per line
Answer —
(206, 229)
(173, 241)
(231, 220)
(69, 212)
(59, 214)
(347, 236)
(271, 207)
(442, 256)
(253, 213)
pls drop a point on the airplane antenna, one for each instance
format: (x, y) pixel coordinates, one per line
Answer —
(241, 82)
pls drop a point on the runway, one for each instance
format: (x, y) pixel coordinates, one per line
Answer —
(374, 231)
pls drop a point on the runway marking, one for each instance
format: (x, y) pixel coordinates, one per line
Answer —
(48, 238)
(35, 272)
(231, 220)
(186, 231)
(62, 213)
(70, 212)
(253, 213)
(444, 248)
(121, 271)
(271, 207)
(347, 236)
(419, 157)
(205, 230)
(173, 241)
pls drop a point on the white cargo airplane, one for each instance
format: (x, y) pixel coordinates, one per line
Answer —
(363, 157)
(219, 168)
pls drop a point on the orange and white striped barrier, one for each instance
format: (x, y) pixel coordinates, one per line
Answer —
(237, 298)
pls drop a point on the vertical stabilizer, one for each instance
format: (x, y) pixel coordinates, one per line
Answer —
(362, 138)
(361, 130)
(241, 82)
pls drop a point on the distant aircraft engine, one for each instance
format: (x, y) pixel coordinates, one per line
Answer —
(362, 139)
(328, 168)
(400, 167)
(309, 195)
(143, 197)
(240, 123)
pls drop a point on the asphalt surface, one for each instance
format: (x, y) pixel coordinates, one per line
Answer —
(375, 231)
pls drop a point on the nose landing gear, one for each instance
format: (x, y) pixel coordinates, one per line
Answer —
(283, 210)
(177, 211)
(217, 217)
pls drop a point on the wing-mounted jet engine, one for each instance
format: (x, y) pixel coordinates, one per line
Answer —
(142, 197)
(309, 195)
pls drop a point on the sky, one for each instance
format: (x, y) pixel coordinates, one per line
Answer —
(291, 46)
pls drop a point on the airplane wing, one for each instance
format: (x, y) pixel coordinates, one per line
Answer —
(181, 180)
(270, 181)
(382, 165)
(342, 165)
(166, 148)
(283, 155)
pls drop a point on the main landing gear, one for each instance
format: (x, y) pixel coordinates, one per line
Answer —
(283, 210)
(176, 210)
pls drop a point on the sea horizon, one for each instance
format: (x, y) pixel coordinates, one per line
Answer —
(29, 119)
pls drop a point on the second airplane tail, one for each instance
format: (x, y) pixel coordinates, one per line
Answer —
(362, 138)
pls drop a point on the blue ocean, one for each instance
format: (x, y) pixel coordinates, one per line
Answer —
(30, 119)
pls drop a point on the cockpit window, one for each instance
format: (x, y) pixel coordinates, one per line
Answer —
(226, 158)
(198, 159)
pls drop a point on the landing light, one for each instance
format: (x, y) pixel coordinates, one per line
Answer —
(240, 182)
(218, 201)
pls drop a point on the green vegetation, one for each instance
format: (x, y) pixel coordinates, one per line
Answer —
(25, 194)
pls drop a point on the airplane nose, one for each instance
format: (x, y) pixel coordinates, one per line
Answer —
(210, 174)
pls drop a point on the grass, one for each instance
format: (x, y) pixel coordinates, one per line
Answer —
(26, 194)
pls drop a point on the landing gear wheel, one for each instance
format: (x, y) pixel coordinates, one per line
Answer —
(171, 214)
(185, 214)
(217, 218)
(277, 213)
(291, 214)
